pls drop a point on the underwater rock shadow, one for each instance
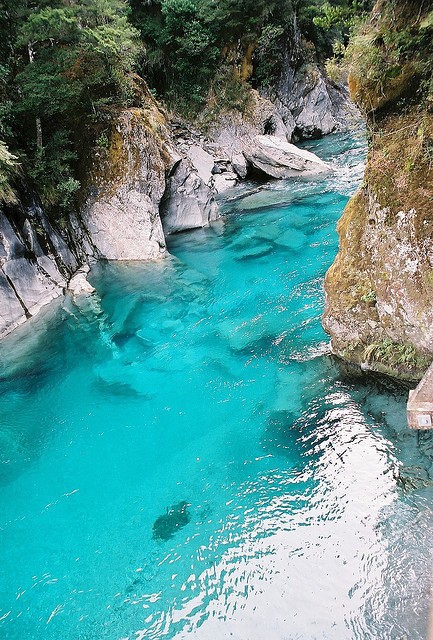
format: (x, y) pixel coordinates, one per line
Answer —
(167, 525)
(281, 436)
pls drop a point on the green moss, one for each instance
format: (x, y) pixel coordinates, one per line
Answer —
(370, 297)
(395, 355)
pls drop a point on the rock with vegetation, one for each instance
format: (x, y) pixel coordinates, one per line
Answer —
(379, 291)
(126, 183)
(137, 176)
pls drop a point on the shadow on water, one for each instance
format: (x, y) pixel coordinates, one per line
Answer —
(167, 525)
(282, 437)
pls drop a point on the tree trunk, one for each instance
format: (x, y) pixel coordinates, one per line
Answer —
(38, 119)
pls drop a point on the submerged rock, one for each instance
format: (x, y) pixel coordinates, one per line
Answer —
(279, 159)
(177, 516)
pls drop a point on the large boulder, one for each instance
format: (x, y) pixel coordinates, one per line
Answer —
(279, 159)
(188, 203)
(126, 185)
(232, 132)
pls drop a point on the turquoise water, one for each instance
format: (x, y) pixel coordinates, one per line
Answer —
(180, 457)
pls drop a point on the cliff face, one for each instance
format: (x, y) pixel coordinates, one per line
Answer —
(310, 105)
(379, 291)
(35, 263)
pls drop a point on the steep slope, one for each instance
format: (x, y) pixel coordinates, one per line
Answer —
(379, 291)
(119, 219)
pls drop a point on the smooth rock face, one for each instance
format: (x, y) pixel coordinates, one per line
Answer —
(187, 203)
(126, 226)
(202, 161)
(79, 285)
(279, 159)
(126, 185)
(34, 265)
(222, 182)
(239, 165)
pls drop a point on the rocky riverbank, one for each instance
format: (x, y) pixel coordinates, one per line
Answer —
(379, 292)
(155, 176)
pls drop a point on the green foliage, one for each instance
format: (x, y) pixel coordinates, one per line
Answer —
(369, 297)
(334, 16)
(227, 93)
(393, 60)
(102, 141)
(8, 166)
(394, 355)
(52, 170)
(66, 64)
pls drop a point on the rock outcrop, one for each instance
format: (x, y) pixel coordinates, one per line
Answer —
(126, 185)
(140, 174)
(278, 159)
(35, 264)
(311, 104)
(379, 291)
(187, 202)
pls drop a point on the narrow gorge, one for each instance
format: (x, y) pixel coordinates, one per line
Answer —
(203, 385)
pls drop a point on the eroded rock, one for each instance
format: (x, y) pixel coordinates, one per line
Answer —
(279, 159)
(79, 285)
(187, 203)
(313, 104)
(34, 264)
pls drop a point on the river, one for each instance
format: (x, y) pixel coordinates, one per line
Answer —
(182, 458)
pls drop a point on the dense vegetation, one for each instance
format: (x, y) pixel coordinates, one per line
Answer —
(391, 58)
(66, 66)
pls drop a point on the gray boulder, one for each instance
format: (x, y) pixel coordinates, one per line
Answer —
(279, 159)
(35, 264)
(188, 203)
(239, 165)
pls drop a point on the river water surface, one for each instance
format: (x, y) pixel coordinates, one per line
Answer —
(181, 458)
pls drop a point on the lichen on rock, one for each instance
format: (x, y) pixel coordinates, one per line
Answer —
(379, 291)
